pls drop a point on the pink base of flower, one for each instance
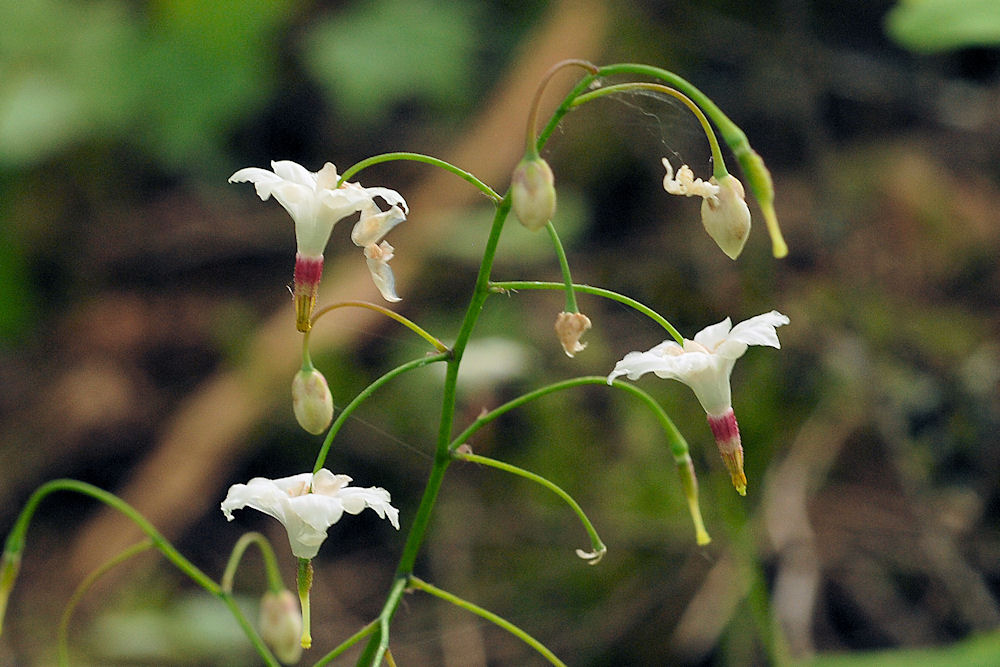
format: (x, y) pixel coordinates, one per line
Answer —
(308, 271)
(727, 437)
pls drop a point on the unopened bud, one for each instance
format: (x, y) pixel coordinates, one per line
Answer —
(280, 625)
(569, 328)
(533, 195)
(311, 401)
(726, 216)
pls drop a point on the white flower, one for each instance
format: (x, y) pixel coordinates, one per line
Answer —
(316, 204)
(705, 364)
(724, 211)
(308, 504)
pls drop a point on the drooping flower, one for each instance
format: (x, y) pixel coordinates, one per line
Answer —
(316, 204)
(569, 328)
(705, 364)
(724, 211)
(308, 504)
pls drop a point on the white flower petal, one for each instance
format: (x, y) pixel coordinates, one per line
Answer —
(374, 224)
(294, 172)
(713, 334)
(760, 330)
(377, 257)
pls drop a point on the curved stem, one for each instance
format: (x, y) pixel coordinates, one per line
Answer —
(514, 285)
(16, 540)
(409, 324)
(426, 159)
(274, 582)
(571, 306)
(422, 585)
(598, 549)
(63, 633)
(678, 445)
(757, 175)
(360, 398)
(531, 147)
(719, 165)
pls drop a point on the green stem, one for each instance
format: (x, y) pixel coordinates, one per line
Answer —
(360, 398)
(426, 159)
(422, 585)
(571, 306)
(531, 148)
(514, 285)
(675, 440)
(63, 632)
(442, 456)
(348, 643)
(719, 164)
(274, 582)
(409, 324)
(14, 546)
(598, 549)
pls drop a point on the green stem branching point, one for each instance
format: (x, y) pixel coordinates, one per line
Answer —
(426, 159)
(85, 585)
(597, 547)
(514, 285)
(274, 582)
(419, 584)
(406, 322)
(14, 546)
(718, 162)
(368, 391)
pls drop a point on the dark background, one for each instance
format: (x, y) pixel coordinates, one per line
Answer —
(146, 339)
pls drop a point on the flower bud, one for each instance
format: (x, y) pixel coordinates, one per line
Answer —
(726, 216)
(280, 625)
(533, 195)
(311, 401)
(569, 328)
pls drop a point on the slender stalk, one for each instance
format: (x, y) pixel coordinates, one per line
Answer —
(531, 147)
(426, 159)
(442, 456)
(85, 585)
(571, 306)
(719, 164)
(422, 585)
(598, 549)
(409, 324)
(348, 643)
(360, 398)
(14, 546)
(274, 582)
(514, 285)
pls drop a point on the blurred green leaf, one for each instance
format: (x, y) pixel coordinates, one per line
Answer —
(939, 25)
(381, 53)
